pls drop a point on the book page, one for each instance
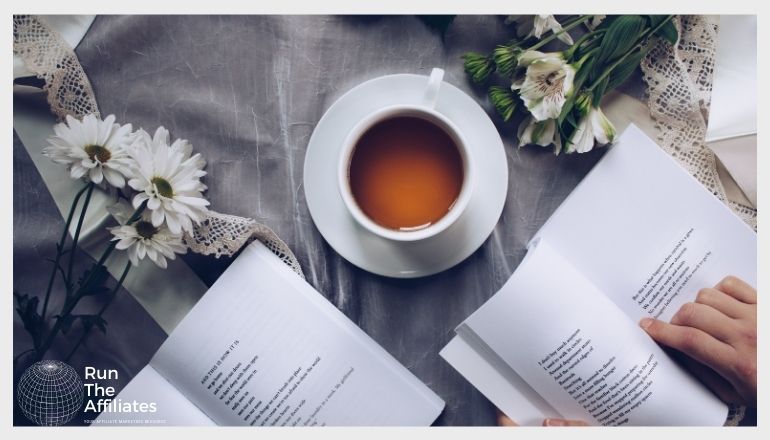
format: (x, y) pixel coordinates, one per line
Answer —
(497, 381)
(164, 405)
(580, 352)
(263, 348)
(647, 234)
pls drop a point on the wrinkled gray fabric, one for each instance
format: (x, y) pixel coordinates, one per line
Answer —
(247, 92)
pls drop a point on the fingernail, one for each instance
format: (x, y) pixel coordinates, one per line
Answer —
(555, 422)
(645, 323)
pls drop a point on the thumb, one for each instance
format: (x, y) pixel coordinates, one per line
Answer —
(503, 420)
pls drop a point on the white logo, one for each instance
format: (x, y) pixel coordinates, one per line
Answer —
(50, 393)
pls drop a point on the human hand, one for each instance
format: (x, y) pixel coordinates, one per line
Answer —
(503, 420)
(718, 334)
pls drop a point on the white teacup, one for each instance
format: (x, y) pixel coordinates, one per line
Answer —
(424, 111)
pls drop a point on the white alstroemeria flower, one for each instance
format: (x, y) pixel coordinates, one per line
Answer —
(543, 133)
(547, 83)
(92, 148)
(142, 238)
(593, 128)
(536, 25)
(168, 177)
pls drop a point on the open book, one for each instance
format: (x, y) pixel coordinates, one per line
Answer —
(263, 348)
(637, 238)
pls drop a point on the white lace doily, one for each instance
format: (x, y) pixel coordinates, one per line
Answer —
(223, 234)
(50, 58)
(679, 79)
(47, 55)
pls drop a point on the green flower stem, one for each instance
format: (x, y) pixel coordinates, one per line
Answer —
(134, 217)
(113, 293)
(565, 28)
(59, 249)
(76, 237)
(71, 302)
(575, 47)
(578, 64)
(638, 45)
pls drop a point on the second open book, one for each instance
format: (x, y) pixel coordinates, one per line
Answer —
(637, 238)
(263, 348)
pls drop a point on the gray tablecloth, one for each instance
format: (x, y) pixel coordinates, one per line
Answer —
(247, 92)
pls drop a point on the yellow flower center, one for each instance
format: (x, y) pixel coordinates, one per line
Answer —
(97, 152)
(163, 187)
(145, 229)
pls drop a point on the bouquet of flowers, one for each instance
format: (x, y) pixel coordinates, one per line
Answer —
(159, 197)
(560, 93)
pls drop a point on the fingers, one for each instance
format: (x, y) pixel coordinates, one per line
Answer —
(723, 302)
(738, 289)
(563, 422)
(695, 343)
(503, 420)
(716, 383)
(708, 319)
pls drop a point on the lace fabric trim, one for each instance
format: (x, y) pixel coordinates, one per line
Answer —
(679, 79)
(222, 234)
(49, 57)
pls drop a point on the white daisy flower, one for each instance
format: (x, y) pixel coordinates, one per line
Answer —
(92, 148)
(167, 177)
(142, 238)
(536, 25)
(593, 128)
(547, 83)
(543, 133)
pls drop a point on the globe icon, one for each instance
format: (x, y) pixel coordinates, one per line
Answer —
(50, 393)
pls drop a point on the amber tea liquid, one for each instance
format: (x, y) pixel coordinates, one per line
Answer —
(405, 173)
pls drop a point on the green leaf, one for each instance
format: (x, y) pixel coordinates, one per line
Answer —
(607, 22)
(620, 37)
(565, 133)
(621, 73)
(89, 321)
(582, 74)
(570, 119)
(91, 284)
(565, 111)
(668, 32)
(26, 308)
(655, 20)
(580, 79)
(600, 88)
(66, 322)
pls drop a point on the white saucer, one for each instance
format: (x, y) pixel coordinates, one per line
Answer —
(404, 259)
